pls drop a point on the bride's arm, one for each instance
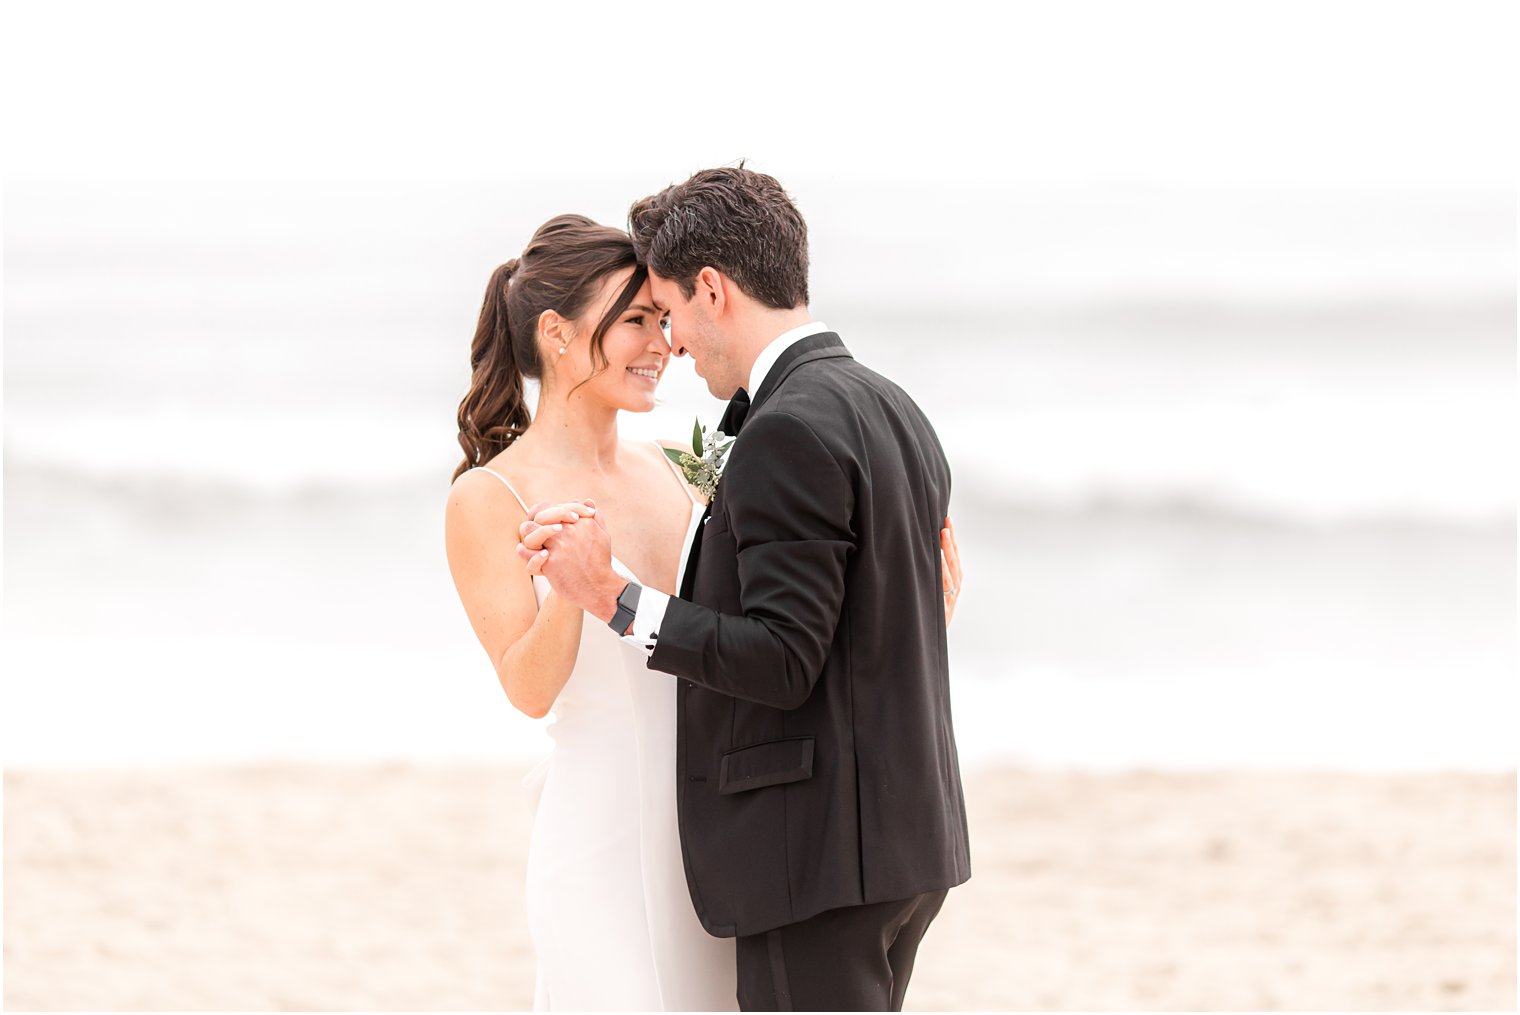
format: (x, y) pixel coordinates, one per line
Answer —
(533, 650)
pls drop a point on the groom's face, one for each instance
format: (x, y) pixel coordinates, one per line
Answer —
(693, 331)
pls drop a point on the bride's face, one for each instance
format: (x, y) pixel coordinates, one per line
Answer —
(635, 346)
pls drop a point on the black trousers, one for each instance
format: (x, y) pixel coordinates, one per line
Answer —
(857, 958)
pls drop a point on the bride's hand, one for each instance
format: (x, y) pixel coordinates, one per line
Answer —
(578, 564)
(954, 576)
(548, 519)
(554, 514)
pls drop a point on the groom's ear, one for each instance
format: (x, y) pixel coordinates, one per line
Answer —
(712, 288)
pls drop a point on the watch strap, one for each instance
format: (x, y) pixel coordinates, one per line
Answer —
(627, 608)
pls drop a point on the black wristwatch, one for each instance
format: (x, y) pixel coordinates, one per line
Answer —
(627, 606)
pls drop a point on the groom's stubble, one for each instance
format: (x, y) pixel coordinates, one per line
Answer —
(695, 332)
(716, 358)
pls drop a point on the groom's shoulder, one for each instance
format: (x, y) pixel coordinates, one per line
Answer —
(848, 407)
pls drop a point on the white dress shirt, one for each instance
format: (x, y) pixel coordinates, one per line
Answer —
(652, 602)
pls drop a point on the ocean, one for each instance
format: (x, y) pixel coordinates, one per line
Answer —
(1233, 470)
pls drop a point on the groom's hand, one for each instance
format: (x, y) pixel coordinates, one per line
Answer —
(575, 553)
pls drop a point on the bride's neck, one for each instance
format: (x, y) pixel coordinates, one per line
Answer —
(574, 431)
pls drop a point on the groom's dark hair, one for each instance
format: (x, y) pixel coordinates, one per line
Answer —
(733, 219)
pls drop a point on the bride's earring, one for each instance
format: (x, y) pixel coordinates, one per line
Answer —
(561, 350)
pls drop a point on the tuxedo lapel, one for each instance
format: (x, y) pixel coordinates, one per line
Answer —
(733, 419)
(689, 576)
(824, 345)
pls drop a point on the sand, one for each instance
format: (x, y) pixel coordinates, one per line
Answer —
(395, 887)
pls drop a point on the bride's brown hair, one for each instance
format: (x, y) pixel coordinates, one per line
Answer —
(561, 269)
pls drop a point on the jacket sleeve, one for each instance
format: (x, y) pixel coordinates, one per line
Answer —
(788, 505)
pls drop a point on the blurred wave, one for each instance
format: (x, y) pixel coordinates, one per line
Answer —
(1338, 414)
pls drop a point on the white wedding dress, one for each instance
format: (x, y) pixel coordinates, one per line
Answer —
(608, 908)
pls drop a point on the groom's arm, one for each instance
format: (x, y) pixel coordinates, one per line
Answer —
(789, 508)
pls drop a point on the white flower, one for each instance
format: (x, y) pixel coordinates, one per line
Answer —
(703, 464)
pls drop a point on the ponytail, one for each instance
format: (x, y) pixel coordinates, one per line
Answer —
(494, 412)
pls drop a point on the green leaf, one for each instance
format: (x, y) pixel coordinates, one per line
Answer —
(674, 454)
(696, 437)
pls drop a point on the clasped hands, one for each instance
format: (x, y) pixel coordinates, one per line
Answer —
(568, 544)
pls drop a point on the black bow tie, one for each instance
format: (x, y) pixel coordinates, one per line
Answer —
(733, 416)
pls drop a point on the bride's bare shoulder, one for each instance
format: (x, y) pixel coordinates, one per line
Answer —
(653, 449)
(486, 493)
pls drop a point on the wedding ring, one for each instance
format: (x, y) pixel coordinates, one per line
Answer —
(955, 590)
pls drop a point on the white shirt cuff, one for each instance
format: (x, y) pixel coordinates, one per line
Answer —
(646, 620)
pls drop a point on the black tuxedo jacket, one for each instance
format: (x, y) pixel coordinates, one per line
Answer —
(816, 761)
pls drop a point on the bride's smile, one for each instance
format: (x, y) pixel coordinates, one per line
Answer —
(626, 370)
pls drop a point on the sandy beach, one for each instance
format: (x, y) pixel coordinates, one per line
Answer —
(397, 887)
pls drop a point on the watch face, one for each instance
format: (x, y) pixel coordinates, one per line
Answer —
(627, 603)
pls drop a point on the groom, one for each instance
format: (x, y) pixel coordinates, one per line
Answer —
(821, 814)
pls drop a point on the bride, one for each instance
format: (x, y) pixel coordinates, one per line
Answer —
(609, 913)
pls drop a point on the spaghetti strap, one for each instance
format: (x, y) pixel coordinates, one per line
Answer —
(507, 485)
(677, 470)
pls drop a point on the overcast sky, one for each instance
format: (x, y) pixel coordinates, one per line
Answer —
(1224, 93)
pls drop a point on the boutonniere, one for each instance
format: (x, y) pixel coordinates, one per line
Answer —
(703, 464)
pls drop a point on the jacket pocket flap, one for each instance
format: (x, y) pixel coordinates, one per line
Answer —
(766, 764)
